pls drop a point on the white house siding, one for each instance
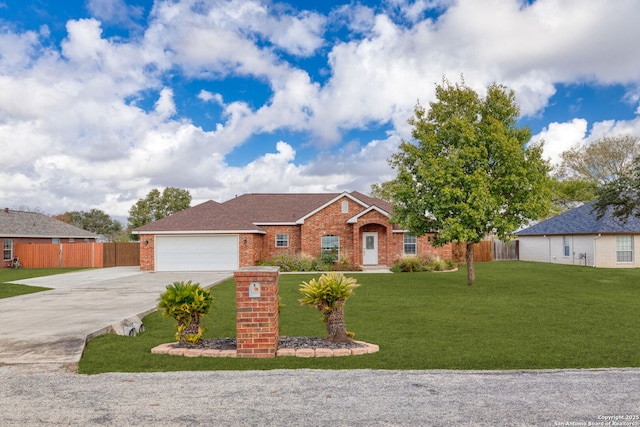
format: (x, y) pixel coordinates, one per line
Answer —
(551, 249)
(600, 250)
(534, 248)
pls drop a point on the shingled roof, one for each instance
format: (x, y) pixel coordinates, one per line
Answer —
(209, 216)
(248, 211)
(582, 220)
(16, 224)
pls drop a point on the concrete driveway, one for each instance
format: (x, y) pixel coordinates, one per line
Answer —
(53, 326)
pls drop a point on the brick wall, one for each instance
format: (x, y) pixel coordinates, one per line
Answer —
(248, 249)
(268, 248)
(330, 220)
(257, 317)
(147, 260)
(425, 247)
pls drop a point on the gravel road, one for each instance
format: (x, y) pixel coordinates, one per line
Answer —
(50, 395)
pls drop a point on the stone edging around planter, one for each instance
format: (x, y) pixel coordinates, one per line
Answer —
(445, 271)
(300, 352)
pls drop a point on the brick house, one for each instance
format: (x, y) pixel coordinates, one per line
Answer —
(252, 227)
(19, 227)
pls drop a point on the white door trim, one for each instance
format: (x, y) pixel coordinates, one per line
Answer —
(370, 251)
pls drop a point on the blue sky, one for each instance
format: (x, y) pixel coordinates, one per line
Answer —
(103, 100)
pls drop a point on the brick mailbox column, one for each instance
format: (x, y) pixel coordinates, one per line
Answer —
(257, 311)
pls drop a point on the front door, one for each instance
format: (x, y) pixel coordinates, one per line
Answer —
(370, 248)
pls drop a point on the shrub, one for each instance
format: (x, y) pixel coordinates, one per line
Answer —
(440, 264)
(328, 294)
(289, 261)
(186, 302)
(422, 263)
(329, 256)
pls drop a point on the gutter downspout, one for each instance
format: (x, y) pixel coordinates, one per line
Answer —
(594, 248)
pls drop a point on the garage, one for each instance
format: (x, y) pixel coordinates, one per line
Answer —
(196, 253)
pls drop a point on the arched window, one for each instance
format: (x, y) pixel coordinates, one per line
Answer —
(331, 246)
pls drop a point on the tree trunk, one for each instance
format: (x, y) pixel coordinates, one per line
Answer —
(336, 328)
(471, 274)
(191, 330)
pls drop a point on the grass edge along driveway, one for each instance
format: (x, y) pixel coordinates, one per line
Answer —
(7, 275)
(518, 315)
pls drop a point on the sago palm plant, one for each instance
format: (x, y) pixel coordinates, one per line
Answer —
(186, 302)
(328, 294)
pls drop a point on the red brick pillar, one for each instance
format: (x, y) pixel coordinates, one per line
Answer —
(257, 311)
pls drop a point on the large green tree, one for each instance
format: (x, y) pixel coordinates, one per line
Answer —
(586, 167)
(382, 191)
(95, 221)
(470, 171)
(567, 193)
(604, 160)
(157, 205)
(622, 195)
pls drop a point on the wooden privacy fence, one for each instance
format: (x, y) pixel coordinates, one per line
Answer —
(506, 251)
(121, 254)
(481, 251)
(487, 251)
(78, 255)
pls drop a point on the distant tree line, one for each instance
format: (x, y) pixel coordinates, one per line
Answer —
(156, 205)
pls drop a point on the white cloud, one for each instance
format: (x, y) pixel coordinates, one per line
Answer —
(102, 122)
(17, 50)
(615, 128)
(115, 12)
(165, 107)
(559, 137)
(530, 49)
(299, 35)
(207, 96)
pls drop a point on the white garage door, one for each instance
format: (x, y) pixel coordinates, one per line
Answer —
(196, 253)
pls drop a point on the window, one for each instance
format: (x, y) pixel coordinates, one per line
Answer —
(410, 244)
(566, 245)
(331, 246)
(71, 240)
(345, 206)
(55, 240)
(282, 240)
(8, 249)
(624, 248)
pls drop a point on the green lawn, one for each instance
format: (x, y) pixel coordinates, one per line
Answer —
(516, 316)
(8, 275)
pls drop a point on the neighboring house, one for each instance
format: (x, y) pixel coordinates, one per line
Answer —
(577, 237)
(17, 227)
(253, 227)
